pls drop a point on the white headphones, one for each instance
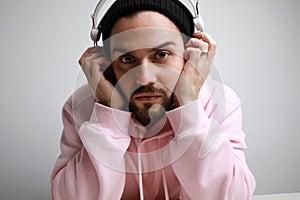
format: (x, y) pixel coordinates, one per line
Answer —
(104, 5)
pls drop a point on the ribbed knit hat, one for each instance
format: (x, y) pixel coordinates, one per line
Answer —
(173, 9)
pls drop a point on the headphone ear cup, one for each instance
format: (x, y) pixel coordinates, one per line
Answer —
(95, 34)
(199, 23)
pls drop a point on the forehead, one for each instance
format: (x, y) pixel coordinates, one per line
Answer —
(148, 37)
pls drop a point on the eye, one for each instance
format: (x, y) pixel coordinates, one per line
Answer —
(127, 59)
(162, 55)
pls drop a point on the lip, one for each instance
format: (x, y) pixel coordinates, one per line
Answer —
(149, 96)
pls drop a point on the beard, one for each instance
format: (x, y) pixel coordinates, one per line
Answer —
(150, 113)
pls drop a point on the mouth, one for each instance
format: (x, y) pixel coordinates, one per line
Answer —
(147, 97)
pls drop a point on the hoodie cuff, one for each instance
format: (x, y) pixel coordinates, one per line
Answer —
(110, 118)
(103, 136)
(187, 118)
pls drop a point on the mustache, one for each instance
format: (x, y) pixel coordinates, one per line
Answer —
(148, 89)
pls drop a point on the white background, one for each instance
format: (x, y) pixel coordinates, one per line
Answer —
(41, 41)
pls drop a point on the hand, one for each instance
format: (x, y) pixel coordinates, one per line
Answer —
(199, 53)
(93, 63)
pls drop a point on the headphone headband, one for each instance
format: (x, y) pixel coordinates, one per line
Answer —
(104, 5)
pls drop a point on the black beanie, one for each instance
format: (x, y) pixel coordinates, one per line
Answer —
(173, 9)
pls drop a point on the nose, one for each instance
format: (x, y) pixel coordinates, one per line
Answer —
(146, 74)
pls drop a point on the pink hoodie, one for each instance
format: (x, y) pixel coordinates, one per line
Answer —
(194, 152)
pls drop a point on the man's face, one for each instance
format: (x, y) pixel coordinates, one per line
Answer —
(147, 58)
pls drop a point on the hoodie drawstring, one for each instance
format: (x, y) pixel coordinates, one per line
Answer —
(165, 185)
(140, 174)
(164, 177)
(140, 168)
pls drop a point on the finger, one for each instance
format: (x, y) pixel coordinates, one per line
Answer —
(102, 62)
(93, 67)
(93, 73)
(198, 61)
(98, 49)
(94, 58)
(191, 53)
(212, 46)
(84, 55)
(90, 51)
(194, 42)
(104, 90)
(195, 55)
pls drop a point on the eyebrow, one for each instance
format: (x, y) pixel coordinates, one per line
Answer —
(123, 51)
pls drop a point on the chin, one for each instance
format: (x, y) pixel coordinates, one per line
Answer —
(149, 112)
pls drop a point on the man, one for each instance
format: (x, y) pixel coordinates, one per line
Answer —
(150, 124)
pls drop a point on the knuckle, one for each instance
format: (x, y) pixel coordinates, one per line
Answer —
(205, 46)
(197, 51)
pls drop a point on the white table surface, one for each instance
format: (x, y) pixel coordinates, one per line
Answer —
(287, 196)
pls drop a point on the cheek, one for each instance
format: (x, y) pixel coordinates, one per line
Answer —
(169, 82)
(124, 80)
(169, 76)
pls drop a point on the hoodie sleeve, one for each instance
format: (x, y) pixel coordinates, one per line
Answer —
(79, 172)
(213, 164)
(73, 173)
